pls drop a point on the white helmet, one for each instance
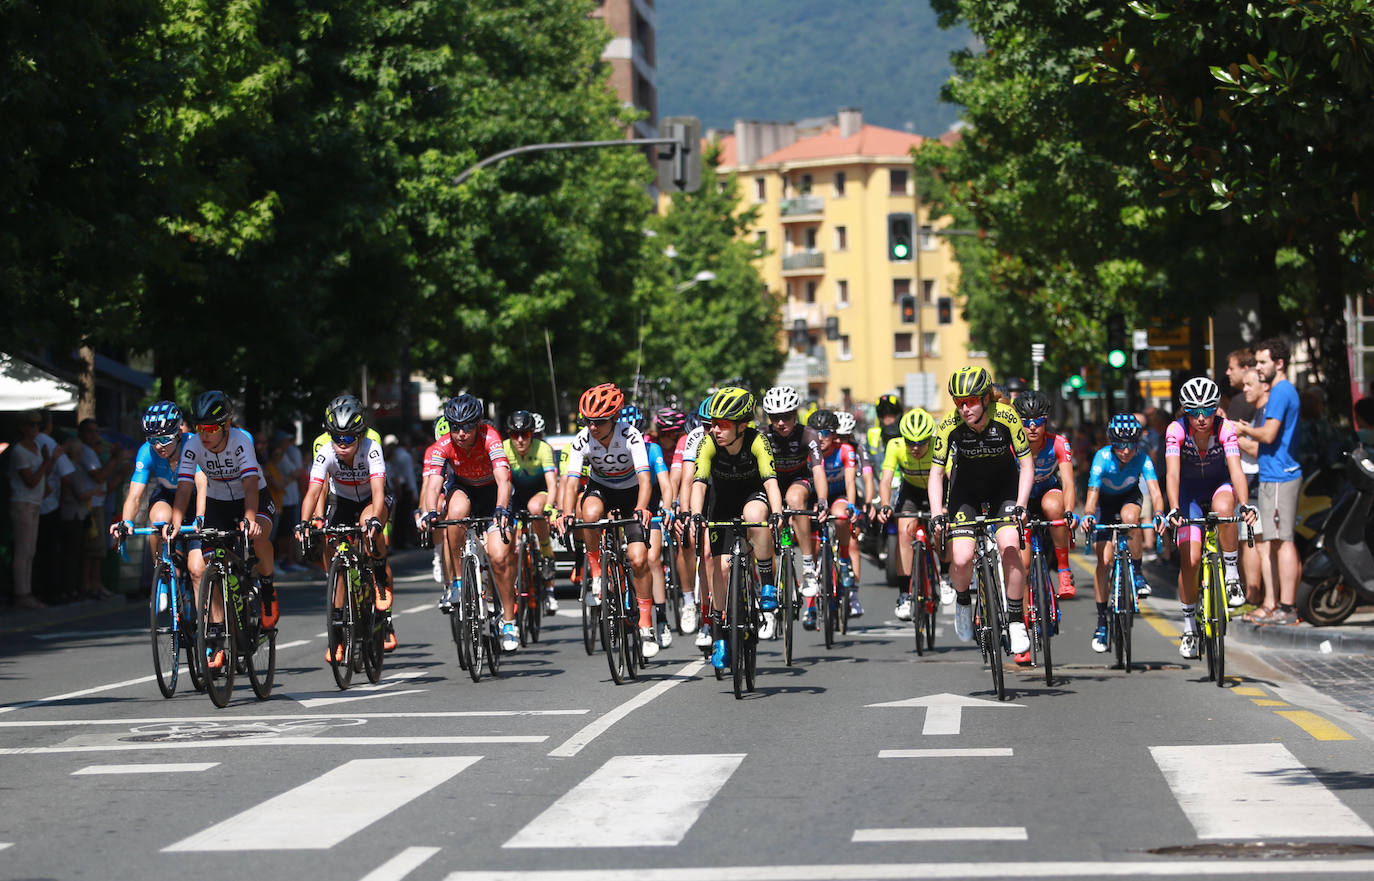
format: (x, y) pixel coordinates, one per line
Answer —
(1199, 392)
(846, 423)
(780, 399)
(538, 424)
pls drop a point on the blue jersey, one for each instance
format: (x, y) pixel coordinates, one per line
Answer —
(150, 467)
(657, 464)
(1113, 478)
(839, 459)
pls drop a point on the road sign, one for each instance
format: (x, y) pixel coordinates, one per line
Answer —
(1168, 336)
(1156, 388)
(1140, 339)
(1171, 359)
(944, 712)
(921, 390)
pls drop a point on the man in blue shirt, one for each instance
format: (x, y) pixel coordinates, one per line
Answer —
(1280, 474)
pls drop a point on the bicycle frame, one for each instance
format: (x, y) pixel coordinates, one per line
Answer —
(619, 612)
(1122, 604)
(1212, 611)
(742, 603)
(1041, 599)
(363, 628)
(922, 590)
(166, 620)
(473, 619)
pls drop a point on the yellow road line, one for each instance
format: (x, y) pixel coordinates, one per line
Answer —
(1319, 728)
(1259, 702)
(1248, 691)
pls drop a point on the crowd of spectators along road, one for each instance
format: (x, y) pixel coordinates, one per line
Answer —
(63, 489)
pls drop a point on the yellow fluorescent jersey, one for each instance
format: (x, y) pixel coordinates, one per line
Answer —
(753, 463)
(323, 439)
(981, 455)
(898, 460)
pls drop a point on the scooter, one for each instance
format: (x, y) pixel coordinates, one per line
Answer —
(1338, 573)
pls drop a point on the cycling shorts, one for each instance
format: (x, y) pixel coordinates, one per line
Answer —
(481, 499)
(1109, 509)
(912, 500)
(1195, 501)
(722, 537)
(225, 514)
(621, 500)
(964, 505)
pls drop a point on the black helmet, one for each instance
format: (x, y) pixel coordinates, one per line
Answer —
(212, 408)
(1032, 405)
(345, 415)
(1015, 384)
(520, 422)
(824, 420)
(462, 410)
(162, 419)
(888, 405)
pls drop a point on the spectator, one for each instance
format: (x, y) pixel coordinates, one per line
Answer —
(1259, 574)
(1364, 421)
(400, 472)
(1320, 443)
(1238, 409)
(29, 465)
(74, 516)
(288, 463)
(46, 585)
(1279, 473)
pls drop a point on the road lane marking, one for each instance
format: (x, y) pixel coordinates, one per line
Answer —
(969, 752)
(951, 870)
(1319, 728)
(156, 720)
(4, 845)
(148, 768)
(271, 741)
(575, 744)
(1253, 791)
(313, 699)
(91, 634)
(662, 795)
(423, 607)
(323, 812)
(1165, 627)
(944, 712)
(83, 692)
(1248, 691)
(295, 643)
(401, 865)
(1265, 702)
(936, 833)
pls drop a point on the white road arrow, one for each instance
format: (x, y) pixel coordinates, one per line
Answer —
(360, 692)
(944, 712)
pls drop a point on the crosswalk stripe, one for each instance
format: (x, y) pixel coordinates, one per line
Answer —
(260, 742)
(401, 865)
(1253, 791)
(631, 801)
(147, 768)
(971, 753)
(323, 812)
(947, 833)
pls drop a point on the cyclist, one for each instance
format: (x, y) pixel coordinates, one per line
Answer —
(1203, 473)
(863, 462)
(1052, 494)
(801, 474)
(888, 409)
(736, 461)
(350, 471)
(987, 444)
(684, 463)
(1114, 485)
(910, 456)
(534, 480)
(618, 479)
(841, 469)
(432, 477)
(478, 485)
(235, 491)
(653, 638)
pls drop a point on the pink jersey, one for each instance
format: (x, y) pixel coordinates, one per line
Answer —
(475, 465)
(1206, 465)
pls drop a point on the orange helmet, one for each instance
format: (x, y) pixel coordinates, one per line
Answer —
(601, 401)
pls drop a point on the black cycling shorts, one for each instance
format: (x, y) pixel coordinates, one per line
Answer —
(618, 500)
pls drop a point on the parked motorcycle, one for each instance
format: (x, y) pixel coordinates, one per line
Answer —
(1338, 573)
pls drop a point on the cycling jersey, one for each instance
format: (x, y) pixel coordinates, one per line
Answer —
(839, 459)
(226, 470)
(476, 465)
(985, 458)
(1054, 453)
(736, 472)
(350, 480)
(1110, 476)
(149, 466)
(529, 469)
(796, 453)
(617, 464)
(688, 446)
(863, 463)
(657, 464)
(429, 465)
(1206, 466)
(913, 471)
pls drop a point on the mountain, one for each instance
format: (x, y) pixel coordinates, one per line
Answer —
(723, 60)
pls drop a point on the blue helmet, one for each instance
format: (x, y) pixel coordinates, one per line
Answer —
(1123, 429)
(162, 419)
(632, 414)
(702, 410)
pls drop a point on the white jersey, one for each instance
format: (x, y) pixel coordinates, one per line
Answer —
(616, 465)
(351, 481)
(226, 470)
(693, 444)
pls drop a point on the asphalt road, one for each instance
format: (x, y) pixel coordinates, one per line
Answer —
(552, 772)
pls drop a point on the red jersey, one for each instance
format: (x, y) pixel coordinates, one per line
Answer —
(474, 466)
(429, 465)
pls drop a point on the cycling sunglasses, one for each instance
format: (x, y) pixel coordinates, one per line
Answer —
(163, 441)
(603, 421)
(916, 445)
(824, 432)
(210, 428)
(1201, 412)
(968, 400)
(455, 427)
(1123, 446)
(522, 435)
(343, 440)
(1036, 423)
(789, 416)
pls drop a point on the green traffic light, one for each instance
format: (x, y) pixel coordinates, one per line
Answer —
(1116, 358)
(900, 251)
(1075, 381)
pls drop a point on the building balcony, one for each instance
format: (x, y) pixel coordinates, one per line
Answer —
(801, 208)
(804, 263)
(812, 313)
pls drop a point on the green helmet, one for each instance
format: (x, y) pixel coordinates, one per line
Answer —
(917, 426)
(732, 403)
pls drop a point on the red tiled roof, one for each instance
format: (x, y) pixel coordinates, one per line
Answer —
(870, 140)
(728, 154)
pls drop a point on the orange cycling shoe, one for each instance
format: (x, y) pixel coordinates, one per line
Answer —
(216, 659)
(390, 643)
(1067, 591)
(383, 600)
(335, 655)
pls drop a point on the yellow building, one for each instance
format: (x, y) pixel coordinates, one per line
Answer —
(827, 192)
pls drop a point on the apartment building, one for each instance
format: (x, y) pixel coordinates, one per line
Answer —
(856, 322)
(630, 55)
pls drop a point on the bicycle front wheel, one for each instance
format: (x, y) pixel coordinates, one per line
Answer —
(1219, 613)
(829, 596)
(259, 648)
(787, 572)
(472, 621)
(215, 642)
(991, 597)
(339, 623)
(372, 627)
(750, 636)
(163, 626)
(613, 621)
(737, 609)
(1044, 614)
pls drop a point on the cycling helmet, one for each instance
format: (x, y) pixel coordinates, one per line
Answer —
(1124, 428)
(345, 415)
(732, 403)
(601, 401)
(781, 399)
(538, 423)
(1199, 392)
(1032, 405)
(162, 419)
(633, 415)
(440, 427)
(846, 420)
(668, 419)
(212, 408)
(462, 410)
(520, 421)
(1015, 384)
(823, 420)
(967, 382)
(703, 408)
(888, 405)
(917, 426)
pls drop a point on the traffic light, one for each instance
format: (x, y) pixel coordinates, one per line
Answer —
(1076, 381)
(832, 328)
(1116, 340)
(908, 307)
(944, 310)
(1140, 359)
(679, 165)
(899, 236)
(800, 339)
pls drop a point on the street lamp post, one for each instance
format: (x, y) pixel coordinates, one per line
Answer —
(1037, 358)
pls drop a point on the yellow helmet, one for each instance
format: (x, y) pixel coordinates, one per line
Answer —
(967, 382)
(917, 426)
(731, 402)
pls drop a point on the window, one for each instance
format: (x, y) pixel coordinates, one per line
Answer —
(900, 288)
(846, 354)
(760, 189)
(810, 292)
(901, 346)
(762, 240)
(930, 344)
(839, 184)
(841, 238)
(811, 238)
(927, 290)
(842, 293)
(806, 184)
(897, 185)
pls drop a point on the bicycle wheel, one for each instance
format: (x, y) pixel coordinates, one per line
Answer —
(787, 601)
(341, 630)
(612, 621)
(491, 630)
(472, 622)
(750, 625)
(930, 592)
(459, 631)
(1125, 621)
(736, 606)
(372, 628)
(1044, 615)
(827, 598)
(842, 592)
(219, 681)
(1122, 580)
(533, 606)
(634, 648)
(591, 615)
(186, 607)
(1219, 613)
(259, 647)
(1207, 643)
(163, 613)
(991, 598)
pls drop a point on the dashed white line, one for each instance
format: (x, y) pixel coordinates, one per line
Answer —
(148, 768)
(401, 865)
(575, 744)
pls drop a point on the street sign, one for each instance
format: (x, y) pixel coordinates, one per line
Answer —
(1156, 388)
(1168, 336)
(921, 390)
(1140, 339)
(1171, 359)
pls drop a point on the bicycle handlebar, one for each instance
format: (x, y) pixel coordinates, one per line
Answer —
(1210, 519)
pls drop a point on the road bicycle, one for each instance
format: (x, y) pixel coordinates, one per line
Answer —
(1212, 611)
(357, 629)
(1122, 604)
(475, 619)
(672, 584)
(1042, 600)
(530, 586)
(618, 610)
(791, 576)
(832, 602)
(171, 612)
(230, 592)
(923, 586)
(990, 617)
(743, 597)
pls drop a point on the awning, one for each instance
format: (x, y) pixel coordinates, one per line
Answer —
(25, 387)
